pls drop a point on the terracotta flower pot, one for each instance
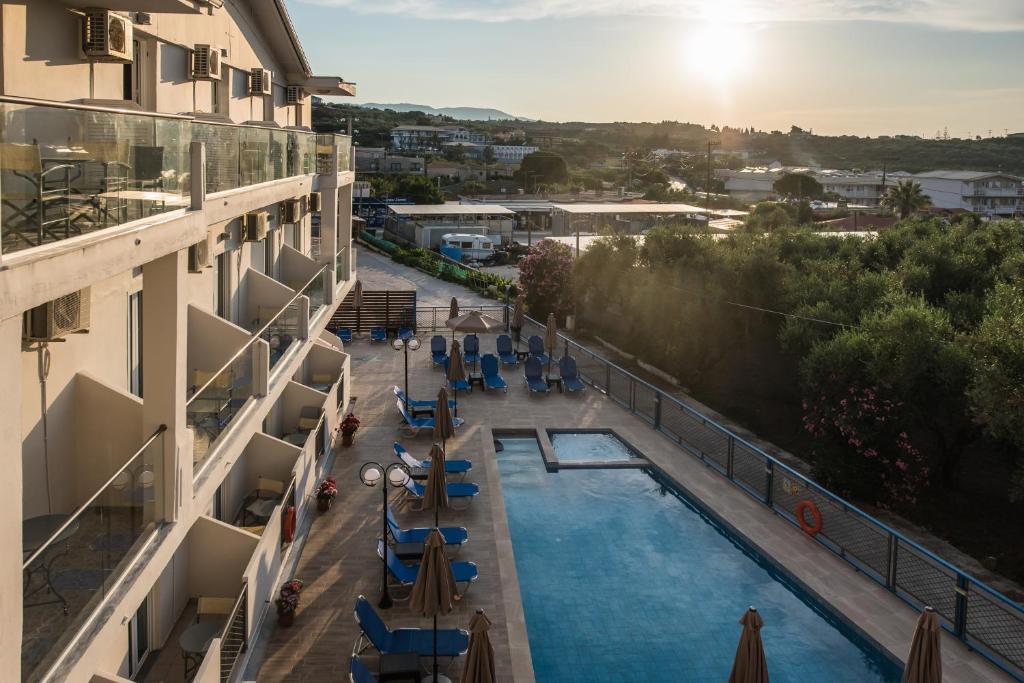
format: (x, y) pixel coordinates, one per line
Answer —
(324, 504)
(346, 440)
(285, 619)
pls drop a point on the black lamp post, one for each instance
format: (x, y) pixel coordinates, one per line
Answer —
(405, 345)
(508, 314)
(396, 475)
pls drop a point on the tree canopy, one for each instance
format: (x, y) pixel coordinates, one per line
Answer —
(799, 185)
(542, 167)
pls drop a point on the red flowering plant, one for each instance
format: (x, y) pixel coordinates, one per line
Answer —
(288, 599)
(349, 425)
(545, 278)
(860, 444)
(327, 490)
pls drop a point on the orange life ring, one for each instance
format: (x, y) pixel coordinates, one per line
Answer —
(808, 506)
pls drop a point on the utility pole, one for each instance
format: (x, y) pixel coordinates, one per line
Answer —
(707, 185)
(885, 191)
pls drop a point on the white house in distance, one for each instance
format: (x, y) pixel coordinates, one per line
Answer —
(985, 193)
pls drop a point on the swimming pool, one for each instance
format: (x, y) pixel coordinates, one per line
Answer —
(594, 446)
(623, 580)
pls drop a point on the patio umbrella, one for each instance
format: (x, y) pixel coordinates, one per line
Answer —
(517, 320)
(435, 497)
(750, 665)
(357, 301)
(453, 312)
(924, 664)
(550, 338)
(444, 425)
(474, 322)
(479, 666)
(435, 589)
(456, 371)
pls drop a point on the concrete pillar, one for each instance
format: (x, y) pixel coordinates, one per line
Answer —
(329, 244)
(197, 173)
(164, 360)
(345, 228)
(10, 503)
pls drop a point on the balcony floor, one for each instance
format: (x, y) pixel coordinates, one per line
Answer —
(166, 664)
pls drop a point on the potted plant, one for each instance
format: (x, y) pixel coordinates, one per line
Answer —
(348, 429)
(325, 494)
(288, 602)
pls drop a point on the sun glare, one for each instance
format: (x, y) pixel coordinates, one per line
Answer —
(718, 50)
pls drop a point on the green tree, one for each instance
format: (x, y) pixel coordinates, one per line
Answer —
(543, 167)
(419, 189)
(906, 198)
(488, 155)
(454, 153)
(799, 185)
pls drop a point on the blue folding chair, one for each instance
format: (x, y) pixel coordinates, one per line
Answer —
(537, 350)
(489, 370)
(438, 349)
(373, 632)
(345, 334)
(505, 352)
(471, 349)
(533, 371)
(570, 374)
(378, 334)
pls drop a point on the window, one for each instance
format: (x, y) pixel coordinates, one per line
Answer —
(135, 344)
(258, 256)
(138, 639)
(395, 166)
(223, 285)
(131, 76)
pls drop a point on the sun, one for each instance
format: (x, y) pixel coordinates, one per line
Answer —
(718, 51)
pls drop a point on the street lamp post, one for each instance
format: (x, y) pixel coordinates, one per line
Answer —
(405, 345)
(508, 288)
(396, 475)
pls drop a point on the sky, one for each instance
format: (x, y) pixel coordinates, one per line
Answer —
(861, 67)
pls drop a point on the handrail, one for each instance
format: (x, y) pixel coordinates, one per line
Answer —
(81, 508)
(239, 601)
(843, 503)
(255, 336)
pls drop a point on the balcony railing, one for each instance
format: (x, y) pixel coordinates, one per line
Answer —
(327, 144)
(234, 640)
(340, 261)
(314, 290)
(68, 169)
(73, 561)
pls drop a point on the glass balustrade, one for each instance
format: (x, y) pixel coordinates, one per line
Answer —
(214, 400)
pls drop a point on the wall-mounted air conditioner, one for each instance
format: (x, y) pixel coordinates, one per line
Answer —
(200, 254)
(106, 37)
(314, 201)
(257, 223)
(205, 63)
(259, 82)
(292, 211)
(55, 319)
(293, 94)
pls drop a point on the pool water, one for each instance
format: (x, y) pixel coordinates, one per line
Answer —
(596, 446)
(623, 581)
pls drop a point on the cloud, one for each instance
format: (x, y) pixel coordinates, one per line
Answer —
(967, 15)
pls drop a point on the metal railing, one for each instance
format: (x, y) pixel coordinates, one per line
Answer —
(75, 560)
(977, 614)
(234, 639)
(320, 436)
(433, 318)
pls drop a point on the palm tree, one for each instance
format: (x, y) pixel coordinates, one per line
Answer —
(906, 198)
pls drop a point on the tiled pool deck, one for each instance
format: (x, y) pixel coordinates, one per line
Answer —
(339, 561)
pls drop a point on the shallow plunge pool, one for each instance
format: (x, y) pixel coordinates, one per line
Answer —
(623, 580)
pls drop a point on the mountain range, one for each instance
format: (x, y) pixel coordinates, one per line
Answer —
(460, 113)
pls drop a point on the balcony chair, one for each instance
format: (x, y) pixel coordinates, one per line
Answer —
(373, 632)
(492, 377)
(536, 345)
(322, 381)
(264, 499)
(217, 609)
(505, 352)
(570, 374)
(37, 195)
(450, 466)
(533, 372)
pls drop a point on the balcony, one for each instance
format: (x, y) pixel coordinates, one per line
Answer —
(104, 488)
(69, 170)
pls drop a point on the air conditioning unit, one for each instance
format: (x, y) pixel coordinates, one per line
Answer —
(200, 254)
(259, 82)
(314, 201)
(292, 211)
(58, 318)
(205, 63)
(106, 37)
(257, 224)
(293, 94)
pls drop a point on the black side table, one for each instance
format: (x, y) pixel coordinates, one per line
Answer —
(400, 666)
(555, 380)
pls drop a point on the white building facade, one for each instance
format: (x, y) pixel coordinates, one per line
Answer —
(996, 195)
(171, 392)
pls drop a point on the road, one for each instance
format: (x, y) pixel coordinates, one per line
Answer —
(380, 272)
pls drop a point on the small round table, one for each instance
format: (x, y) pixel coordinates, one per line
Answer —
(195, 641)
(35, 531)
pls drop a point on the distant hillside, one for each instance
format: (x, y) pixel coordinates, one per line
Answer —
(460, 113)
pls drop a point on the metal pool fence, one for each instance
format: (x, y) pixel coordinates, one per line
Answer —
(433, 318)
(977, 614)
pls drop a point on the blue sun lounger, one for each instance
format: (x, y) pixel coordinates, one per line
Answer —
(345, 334)
(415, 424)
(438, 349)
(471, 348)
(533, 371)
(460, 385)
(422, 407)
(570, 374)
(358, 673)
(451, 642)
(405, 333)
(505, 352)
(378, 334)
(453, 535)
(460, 490)
(450, 466)
(405, 574)
(489, 370)
(537, 350)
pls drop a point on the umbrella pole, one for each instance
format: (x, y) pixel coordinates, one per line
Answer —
(455, 397)
(435, 649)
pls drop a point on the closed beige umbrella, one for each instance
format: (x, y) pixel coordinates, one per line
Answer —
(924, 663)
(435, 589)
(750, 665)
(453, 308)
(444, 425)
(456, 371)
(517, 320)
(479, 666)
(550, 338)
(435, 497)
(357, 302)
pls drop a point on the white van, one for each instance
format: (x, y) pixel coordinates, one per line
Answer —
(473, 247)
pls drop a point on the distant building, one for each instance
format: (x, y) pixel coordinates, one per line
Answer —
(986, 193)
(378, 160)
(421, 139)
(758, 183)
